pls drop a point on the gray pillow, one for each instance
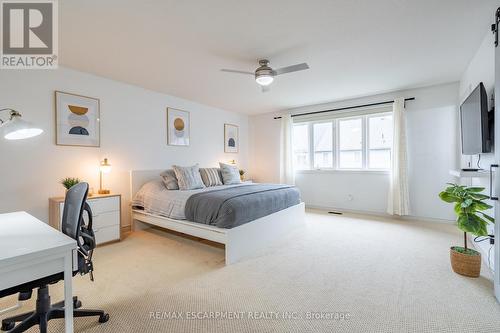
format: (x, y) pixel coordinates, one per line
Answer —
(230, 174)
(211, 176)
(189, 178)
(169, 179)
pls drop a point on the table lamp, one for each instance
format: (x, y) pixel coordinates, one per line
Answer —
(105, 167)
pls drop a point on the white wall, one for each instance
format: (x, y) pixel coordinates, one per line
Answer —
(432, 145)
(481, 69)
(133, 136)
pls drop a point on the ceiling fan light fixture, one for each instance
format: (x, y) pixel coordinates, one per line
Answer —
(264, 79)
(264, 74)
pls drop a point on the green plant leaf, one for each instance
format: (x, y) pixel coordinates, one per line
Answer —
(447, 197)
(479, 205)
(489, 218)
(466, 203)
(475, 189)
(481, 228)
(464, 223)
(479, 196)
(473, 224)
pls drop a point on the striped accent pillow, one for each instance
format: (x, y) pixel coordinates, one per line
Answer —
(211, 176)
(189, 178)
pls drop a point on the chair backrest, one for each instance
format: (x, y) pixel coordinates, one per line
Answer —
(74, 226)
(73, 210)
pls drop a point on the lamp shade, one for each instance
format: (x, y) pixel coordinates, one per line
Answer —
(264, 79)
(17, 129)
(105, 166)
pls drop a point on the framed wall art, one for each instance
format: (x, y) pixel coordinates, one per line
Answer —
(231, 138)
(178, 127)
(77, 120)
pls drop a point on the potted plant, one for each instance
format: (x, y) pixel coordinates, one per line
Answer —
(469, 208)
(69, 182)
(242, 174)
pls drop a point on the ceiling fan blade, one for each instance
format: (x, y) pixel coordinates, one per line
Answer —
(265, 89)
(293, 68)
(236, 71)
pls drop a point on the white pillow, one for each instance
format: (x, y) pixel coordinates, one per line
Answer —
(189, 178)
(230, 174)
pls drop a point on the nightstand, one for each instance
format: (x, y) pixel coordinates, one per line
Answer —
(106, 216)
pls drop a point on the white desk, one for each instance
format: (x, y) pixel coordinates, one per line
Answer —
(31, 249)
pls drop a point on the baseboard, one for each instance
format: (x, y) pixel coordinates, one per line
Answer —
(126, 228)
(381, 214)
(426, 219)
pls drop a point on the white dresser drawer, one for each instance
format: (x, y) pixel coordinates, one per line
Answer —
(106, 220)
(106, 216)
(107, 234)
(103, 205)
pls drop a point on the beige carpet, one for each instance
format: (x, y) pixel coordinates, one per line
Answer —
(362, 274)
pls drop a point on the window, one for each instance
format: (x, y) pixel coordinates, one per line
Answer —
(301, 146)
(379, 141)
(323, 145)
(360, 143)
(350, 143)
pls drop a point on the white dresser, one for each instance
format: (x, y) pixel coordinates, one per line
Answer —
(106, 216)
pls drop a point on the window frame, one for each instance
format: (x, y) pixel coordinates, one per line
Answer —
(309, 136)
(374, 115)
(336, 144)
(338, 151)
(311, 144)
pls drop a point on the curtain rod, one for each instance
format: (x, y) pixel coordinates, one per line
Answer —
(347, 108)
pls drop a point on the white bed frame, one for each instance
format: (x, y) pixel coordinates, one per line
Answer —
(241, 242)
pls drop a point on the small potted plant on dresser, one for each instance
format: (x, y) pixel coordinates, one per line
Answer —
(69, 182)
(469, 207)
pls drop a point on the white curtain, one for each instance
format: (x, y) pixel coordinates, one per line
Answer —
(287, 175)
(398, 202)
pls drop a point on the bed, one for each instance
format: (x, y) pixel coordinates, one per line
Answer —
(241, 238)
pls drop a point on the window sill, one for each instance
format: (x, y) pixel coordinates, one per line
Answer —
(344, 171)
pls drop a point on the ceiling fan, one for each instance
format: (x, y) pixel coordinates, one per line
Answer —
(264, 75)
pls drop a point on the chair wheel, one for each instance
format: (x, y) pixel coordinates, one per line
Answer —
(7, 326)
(104, 318)
(77, 304)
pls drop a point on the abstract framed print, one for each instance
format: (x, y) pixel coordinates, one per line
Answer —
(77, 120)
(178, 127)
(231, 138)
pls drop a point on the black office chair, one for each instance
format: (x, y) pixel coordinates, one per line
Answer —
(73, 225)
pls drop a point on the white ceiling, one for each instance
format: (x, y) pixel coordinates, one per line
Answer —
(354, 47)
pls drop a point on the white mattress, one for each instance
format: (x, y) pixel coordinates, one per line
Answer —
(156, 199)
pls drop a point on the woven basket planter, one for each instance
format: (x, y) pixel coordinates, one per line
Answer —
(465, 264)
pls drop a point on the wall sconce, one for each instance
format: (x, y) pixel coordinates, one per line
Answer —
(105, 167)
(15, 128)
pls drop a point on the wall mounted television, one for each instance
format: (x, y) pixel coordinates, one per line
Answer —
(476, 123)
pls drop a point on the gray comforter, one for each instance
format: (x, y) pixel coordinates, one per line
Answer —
(231, 207)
